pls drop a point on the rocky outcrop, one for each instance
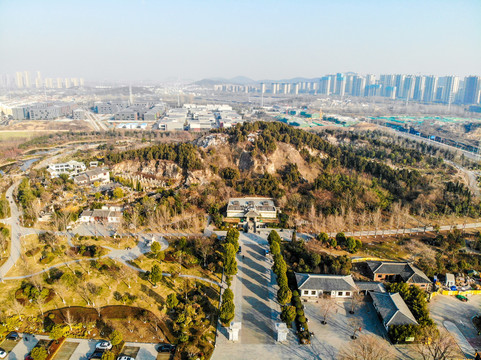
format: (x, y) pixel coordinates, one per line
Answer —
(160, 169)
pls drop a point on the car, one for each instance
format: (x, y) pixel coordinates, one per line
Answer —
(3, 354)
(240, 249)
(462, 298)
(266, 252)
(97, 355)
(166, 348)
(124, 357)
(103, 345)
(13, 336)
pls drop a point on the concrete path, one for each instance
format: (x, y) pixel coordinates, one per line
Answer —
(255, 291)
(463, 343)
(15, 234)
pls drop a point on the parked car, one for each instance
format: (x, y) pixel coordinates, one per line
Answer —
(3, 354)
(166, 348)
(13, 336)
(266, 252)
(462, 298)
(125, 357)
(97, 355)
(240, 249)
(103, 345)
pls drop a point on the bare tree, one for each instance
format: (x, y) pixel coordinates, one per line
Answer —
(436, 345)
(327, 307)
(376, 220)
(69, 320)
(355, 302)
(366, 347)
(356, 326)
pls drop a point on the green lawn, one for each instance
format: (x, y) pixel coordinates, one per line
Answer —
(16, 135)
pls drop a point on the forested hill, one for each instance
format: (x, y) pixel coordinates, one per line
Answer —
(311, 175)
(364, 173)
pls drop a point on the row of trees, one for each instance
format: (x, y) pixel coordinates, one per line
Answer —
(295, 311)
(231, 247)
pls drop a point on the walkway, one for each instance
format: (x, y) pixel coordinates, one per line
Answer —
(255, 291)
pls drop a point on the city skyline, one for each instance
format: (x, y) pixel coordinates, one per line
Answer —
(146, 40)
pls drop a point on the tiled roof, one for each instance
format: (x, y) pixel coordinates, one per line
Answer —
(405, 270)
(325, 282)
(392, 308)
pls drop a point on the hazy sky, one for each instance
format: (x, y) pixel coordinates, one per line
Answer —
(261, 39)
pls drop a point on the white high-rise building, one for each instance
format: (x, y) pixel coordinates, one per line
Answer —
(26, 79)
(59, 83)
(19, 80)
(451, 87)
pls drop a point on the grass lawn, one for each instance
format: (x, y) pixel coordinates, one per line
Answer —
(5, 253)
(7, 135)
(27, 265)
(67, 349)
(100, 287)
(119, 243)
(145, 263)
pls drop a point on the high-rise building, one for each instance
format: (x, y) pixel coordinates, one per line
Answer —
(451, 87)
(19, 80)
(340, 84)
(67, 83)
(59, 83)
(38, 80)
(419, 83)
(325, 85)
(358, 86)
(399, 84)
(26, 79)
(471, 89)
(387, 83)
(408, 87)
(430, 88)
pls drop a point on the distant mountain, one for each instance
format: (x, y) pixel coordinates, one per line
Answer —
(243, 80)
(238, 80)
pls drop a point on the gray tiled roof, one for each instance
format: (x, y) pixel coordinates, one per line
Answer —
(370, 286)
(325, 282)
(405, 270)
(392, 308)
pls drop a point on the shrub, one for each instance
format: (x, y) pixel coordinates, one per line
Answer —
(116, 337)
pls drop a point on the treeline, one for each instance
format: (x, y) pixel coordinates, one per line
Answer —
(184, 154)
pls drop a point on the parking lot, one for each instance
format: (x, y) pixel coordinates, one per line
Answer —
(447, 310)
(330, 338)
(77, 349)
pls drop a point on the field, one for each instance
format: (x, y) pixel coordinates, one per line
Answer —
(8, 135)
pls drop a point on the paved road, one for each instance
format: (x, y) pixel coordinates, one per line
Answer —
(255, 290)
(16, 232)
(455, 316)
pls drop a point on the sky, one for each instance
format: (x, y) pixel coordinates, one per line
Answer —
(261, 39)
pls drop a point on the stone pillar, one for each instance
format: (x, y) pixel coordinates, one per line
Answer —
(282, 331)
(233, 331)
